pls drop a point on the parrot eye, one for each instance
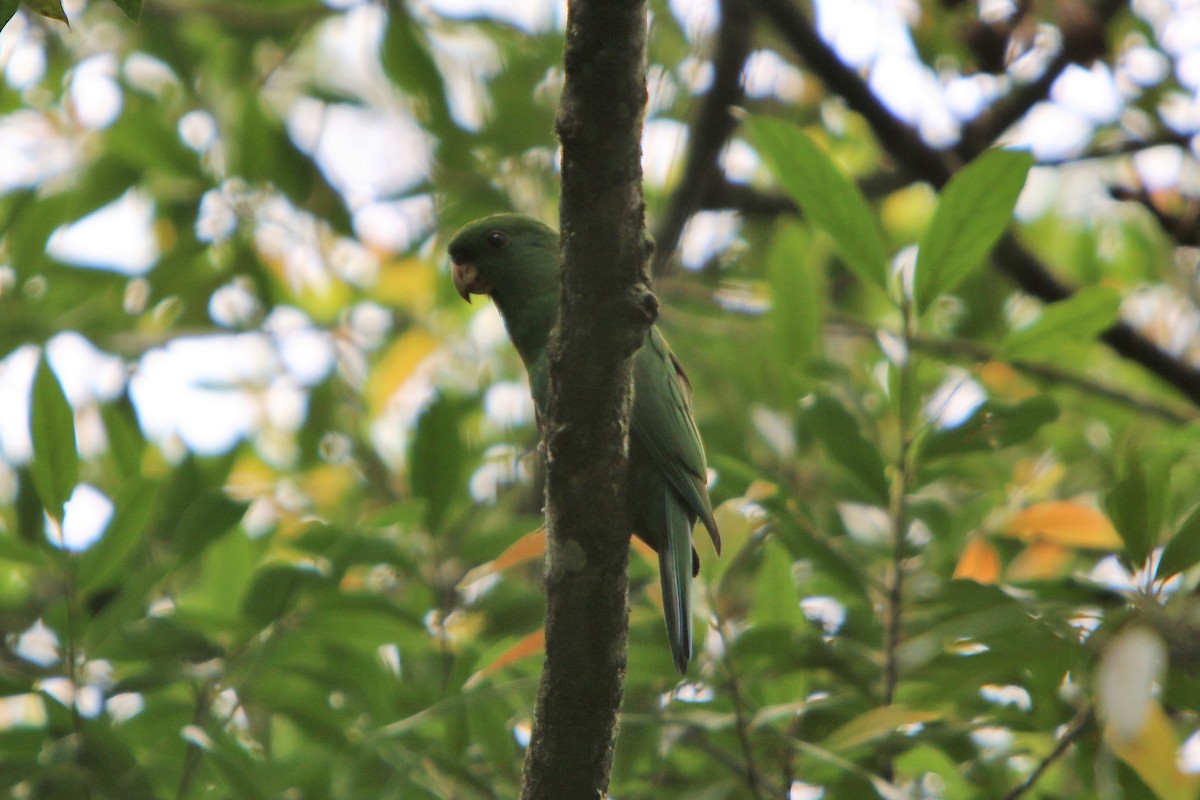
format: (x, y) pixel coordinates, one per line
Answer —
(496, 239)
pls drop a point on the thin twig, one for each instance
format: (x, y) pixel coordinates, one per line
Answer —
(193, 752)
(697, 738)
(71, 592)
(973, 351)
(1083, 720)
(739, 709)
(898, 511)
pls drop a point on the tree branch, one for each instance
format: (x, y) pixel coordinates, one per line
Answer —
(914, 155)
(1024, 268)
(710, 130)
(973, 351)
(1079, 726)
(606, 309)
(982, 133)
(902, 142)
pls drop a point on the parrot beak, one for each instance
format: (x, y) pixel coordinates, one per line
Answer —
(467, 280)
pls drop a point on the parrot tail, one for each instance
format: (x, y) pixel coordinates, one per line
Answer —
(675, 564)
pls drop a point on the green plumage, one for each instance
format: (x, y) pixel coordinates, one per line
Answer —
(515, 260)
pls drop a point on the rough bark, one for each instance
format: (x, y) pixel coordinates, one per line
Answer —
(606, 309)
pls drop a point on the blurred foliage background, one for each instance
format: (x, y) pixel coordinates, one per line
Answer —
(270, 491)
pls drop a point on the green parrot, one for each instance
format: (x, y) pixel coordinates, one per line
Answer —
(514, 259)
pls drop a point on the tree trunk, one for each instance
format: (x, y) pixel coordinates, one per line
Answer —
(606, 309)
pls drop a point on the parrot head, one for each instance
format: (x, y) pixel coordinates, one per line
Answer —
(505, 256)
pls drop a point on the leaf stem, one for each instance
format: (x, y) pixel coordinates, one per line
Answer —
(899, 514)
(1079, 726)
(739, 707)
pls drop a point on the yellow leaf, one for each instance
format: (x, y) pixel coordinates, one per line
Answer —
(906, 213)
(1153, 755)
(735, 525)
(1066, 523)
(463, 626)
(532, 645)
(324, 302)
(979, 562)
(1001, 380)
(250, 478)
(874, 724)
(396, 366)
(327, 485)
(410, 284)
(761, 490)
(1038, 561)
(1037, 477)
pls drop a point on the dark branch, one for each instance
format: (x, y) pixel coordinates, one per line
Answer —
(983, 132)
(751, 202)
(1079, 726)
(964, 349)
(1027, 272)
(1183, 227)
(606, 309)
(710, 130)
(911, 153)
(901, 141)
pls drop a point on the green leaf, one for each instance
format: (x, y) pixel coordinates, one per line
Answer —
(52, 427)
(1134, 505)
(826, 196)
(1079, 318)
(838, 431)
(208, 517)
(126, 444)
(30, 517)
(111, 765)
(776, 601)
(275, 589)
(925, 759)
(132, 8)
(437, 458)
(305, 706)
(993, 425)
(102, 182)
(874, 724)
(974, 210)
(488, 726)
(7, 9)
(1183, 551)
(241, 775)
(802, 542)
(409, 64)
(262, 151)
(105, 563)
(168, 639)
(796, 314)
(47, 8)
(344, 549)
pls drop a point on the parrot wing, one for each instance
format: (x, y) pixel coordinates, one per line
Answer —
(662, 422)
